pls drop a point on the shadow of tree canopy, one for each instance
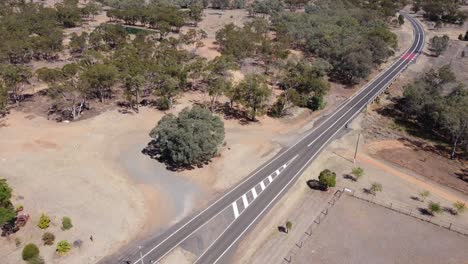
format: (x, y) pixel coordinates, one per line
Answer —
(153, 151)
(315, 185)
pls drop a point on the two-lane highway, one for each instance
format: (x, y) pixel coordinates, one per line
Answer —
(246, 203)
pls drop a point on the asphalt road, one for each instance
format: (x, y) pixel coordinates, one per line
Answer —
(246, 203)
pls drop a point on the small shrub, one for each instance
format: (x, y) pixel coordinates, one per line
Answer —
(434, 208)
(163, 103)
(375, 187)
(459, 207)
(460, 37)
(316, 102)
(289, 226)
(48, 238)
(357, 172)
(327, 178)
(66, 223)
(17, 241)
(63, 247)
(30, 251)
(44, 221)
(424, 194)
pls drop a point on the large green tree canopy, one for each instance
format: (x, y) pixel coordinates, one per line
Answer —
(191, 138)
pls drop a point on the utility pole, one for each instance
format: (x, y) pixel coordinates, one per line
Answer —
(355, 152)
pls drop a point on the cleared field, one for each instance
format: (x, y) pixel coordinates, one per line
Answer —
(359, 232)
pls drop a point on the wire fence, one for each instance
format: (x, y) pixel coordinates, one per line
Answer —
(392, 205)
(418, 213)
(308, 232)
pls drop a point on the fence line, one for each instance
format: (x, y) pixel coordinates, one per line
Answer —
(394, 206)
(415, 213)
(308, 232)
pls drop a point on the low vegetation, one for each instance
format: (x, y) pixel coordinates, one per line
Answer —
(375, 188)
(63, 247)
(66, 223)
(44, 221)
(30, 251)
(48, 238)
(424, 194)
(357, 173)
(434, 208)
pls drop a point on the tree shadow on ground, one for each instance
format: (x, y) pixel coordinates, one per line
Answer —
(424, 211)
(349, 177)
(463, 175)
(232, 113)
(367, 191)
(315, 185)
(282, 229)
(450, 210)
(153, 151)
(416, 198)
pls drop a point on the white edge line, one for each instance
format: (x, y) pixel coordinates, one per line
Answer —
(277, 195)
(258, 170)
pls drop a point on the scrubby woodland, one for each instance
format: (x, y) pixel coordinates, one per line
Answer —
(437, 105)
(343, 40)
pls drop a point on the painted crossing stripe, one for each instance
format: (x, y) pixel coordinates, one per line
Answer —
(270, 179)
(244, 200)
(262, 185)
(277, 172)
(235, 209)
(254, 192)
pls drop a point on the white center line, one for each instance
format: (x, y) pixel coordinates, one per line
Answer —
(236, 211)
(262, 185)
(254, 192)
(270, 179)
(244, 200)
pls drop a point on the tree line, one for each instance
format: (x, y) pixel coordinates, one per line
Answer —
(447, 11)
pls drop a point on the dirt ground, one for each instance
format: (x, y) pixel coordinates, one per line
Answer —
(359, 232)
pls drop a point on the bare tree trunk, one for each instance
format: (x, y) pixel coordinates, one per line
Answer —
(457, 138)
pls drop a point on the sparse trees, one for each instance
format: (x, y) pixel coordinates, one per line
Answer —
(191, 138)
(439, 113)
(78, 43)
(6, 214)
(375, 187)
(439, 44)
(254, 94)
(3, 98)
(327, 179)
(15, 77)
